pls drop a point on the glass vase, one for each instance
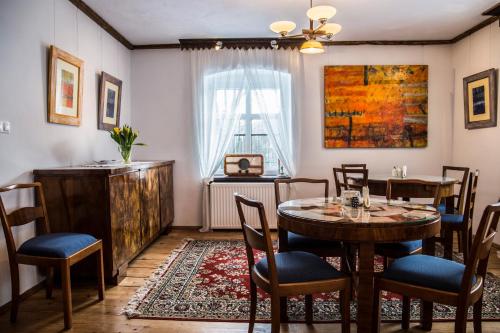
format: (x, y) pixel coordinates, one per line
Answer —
(126, 152)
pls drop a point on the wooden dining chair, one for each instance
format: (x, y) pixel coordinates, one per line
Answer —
(401, 249)
(346, 182)
(460, 223)
(296, 242)
(435, 279)
(353, 166)
(49, 250)
(457, 198)
(287, 273)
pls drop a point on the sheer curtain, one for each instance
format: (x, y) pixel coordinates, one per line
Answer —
(268, 72)
(219, 79)
(217, 90)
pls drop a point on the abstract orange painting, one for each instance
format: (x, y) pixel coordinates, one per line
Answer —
(376, 106)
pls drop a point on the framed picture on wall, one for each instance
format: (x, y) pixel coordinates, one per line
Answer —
(480, 99)
(109, 102)
(65, 88)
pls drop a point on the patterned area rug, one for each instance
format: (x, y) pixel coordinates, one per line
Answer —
(207, 280)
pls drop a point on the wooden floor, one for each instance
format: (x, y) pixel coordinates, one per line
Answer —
(38, 314)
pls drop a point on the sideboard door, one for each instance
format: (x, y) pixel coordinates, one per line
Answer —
(150, 205)
(125, 210)
(166, 195)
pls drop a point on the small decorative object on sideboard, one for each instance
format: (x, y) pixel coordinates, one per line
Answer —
(125, 138)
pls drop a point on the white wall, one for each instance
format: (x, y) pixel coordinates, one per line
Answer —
(161, 100)
(162, 112)
(478, 148)
(27, 29)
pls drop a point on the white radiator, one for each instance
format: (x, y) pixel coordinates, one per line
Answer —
(223, 211)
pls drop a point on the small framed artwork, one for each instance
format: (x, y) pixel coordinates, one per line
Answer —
(480, 99)
(65, 88)
(109, 102)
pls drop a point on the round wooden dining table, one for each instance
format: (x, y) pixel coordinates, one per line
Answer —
(382, 222)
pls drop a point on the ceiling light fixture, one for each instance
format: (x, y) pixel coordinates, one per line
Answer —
(324, 31)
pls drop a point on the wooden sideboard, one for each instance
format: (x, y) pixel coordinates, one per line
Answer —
(127, 206)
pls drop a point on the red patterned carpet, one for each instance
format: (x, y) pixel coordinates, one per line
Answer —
(207, 280)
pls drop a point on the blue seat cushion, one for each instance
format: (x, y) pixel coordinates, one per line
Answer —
(403, 248)
(298, 266)
(56, 245)
(452, 218)
(427, 271)
(442, 208)
(298, 242)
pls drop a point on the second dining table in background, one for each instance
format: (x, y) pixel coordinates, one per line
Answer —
(377, 183)
(328, 219)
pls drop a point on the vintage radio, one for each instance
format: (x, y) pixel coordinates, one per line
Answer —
(243, 164)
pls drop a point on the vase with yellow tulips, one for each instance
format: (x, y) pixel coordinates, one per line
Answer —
(125, 138)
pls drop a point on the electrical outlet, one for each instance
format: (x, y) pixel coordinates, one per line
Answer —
(5, 127)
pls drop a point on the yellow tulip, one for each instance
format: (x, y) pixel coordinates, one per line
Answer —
(116, 130)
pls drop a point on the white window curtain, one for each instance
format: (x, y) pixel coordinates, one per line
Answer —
(218, 81)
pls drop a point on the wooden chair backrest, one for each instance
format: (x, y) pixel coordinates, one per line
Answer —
(255, 240)
(347, 173)
(23, 215)
(477, 263)
(470, 198)
(353, 166)
(462, 182)
(277, 182)
(436, 196)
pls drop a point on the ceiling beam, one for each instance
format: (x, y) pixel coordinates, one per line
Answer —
(102, 23)
(247, 43)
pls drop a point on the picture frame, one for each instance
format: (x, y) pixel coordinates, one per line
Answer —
(480, 99)
(65, 88)
(110, 95)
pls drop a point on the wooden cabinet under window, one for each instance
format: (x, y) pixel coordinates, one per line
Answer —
(127, 206)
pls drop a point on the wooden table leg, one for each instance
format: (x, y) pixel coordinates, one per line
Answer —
(365, 287)
(283, 247)
(426, 308)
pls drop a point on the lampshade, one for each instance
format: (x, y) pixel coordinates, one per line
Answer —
(282, 27)
(319, 13)
(331, 28)
(312, 47)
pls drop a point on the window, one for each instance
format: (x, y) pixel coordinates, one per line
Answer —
(251, 136)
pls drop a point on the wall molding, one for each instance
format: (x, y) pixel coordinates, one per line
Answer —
(251, 43)
(31, 291)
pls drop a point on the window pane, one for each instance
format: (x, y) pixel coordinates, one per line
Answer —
(237, 144)
(270, 100)
(261, 144)
(225, 99)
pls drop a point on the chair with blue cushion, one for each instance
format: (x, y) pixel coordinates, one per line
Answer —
(288, 273)
(401, 249)
(434, 279)
(296, 242)
(456, 201)
(49, 250)
(460, 223)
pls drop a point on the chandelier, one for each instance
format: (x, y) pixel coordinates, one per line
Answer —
(324, 31)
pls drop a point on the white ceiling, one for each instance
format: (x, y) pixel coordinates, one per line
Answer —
(165, 21)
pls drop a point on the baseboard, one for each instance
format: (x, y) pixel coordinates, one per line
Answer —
(186, 227)
(33, 290)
